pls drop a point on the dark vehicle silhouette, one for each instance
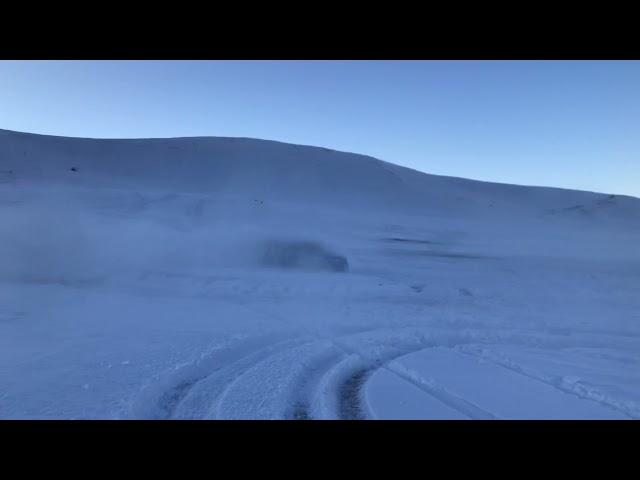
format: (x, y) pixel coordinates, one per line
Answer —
(305, 255)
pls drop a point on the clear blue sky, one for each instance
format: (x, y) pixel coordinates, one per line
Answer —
(572, 124)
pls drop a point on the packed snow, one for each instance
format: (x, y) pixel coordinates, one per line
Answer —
(232, 278)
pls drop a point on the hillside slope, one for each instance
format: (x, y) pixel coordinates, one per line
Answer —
(278, 171)
(241, 278)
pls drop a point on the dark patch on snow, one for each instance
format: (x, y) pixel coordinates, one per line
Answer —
(440, 254)
(301, 412)
(605, 202)
(350, 400)
(170, 399)
(575, 207)
(12, 317)
(305, 255)
(410, 240)
(7, 176)
(65, 282)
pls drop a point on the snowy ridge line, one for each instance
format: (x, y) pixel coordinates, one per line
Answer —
(565, 385)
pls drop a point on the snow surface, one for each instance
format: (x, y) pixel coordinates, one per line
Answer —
(138, 280)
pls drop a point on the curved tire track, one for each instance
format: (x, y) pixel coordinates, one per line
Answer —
(311, 377)
(630, 409)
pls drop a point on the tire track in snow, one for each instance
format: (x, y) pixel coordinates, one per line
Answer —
(431, 387)
(350, 404)
(344, 381)
(348, 378)
(222, 376)
(628, 408)
(161, 399)
(325, 374)
(302, 401)
(269, 387)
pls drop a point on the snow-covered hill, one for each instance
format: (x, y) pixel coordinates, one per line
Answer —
(241, 278)
(277, 171)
